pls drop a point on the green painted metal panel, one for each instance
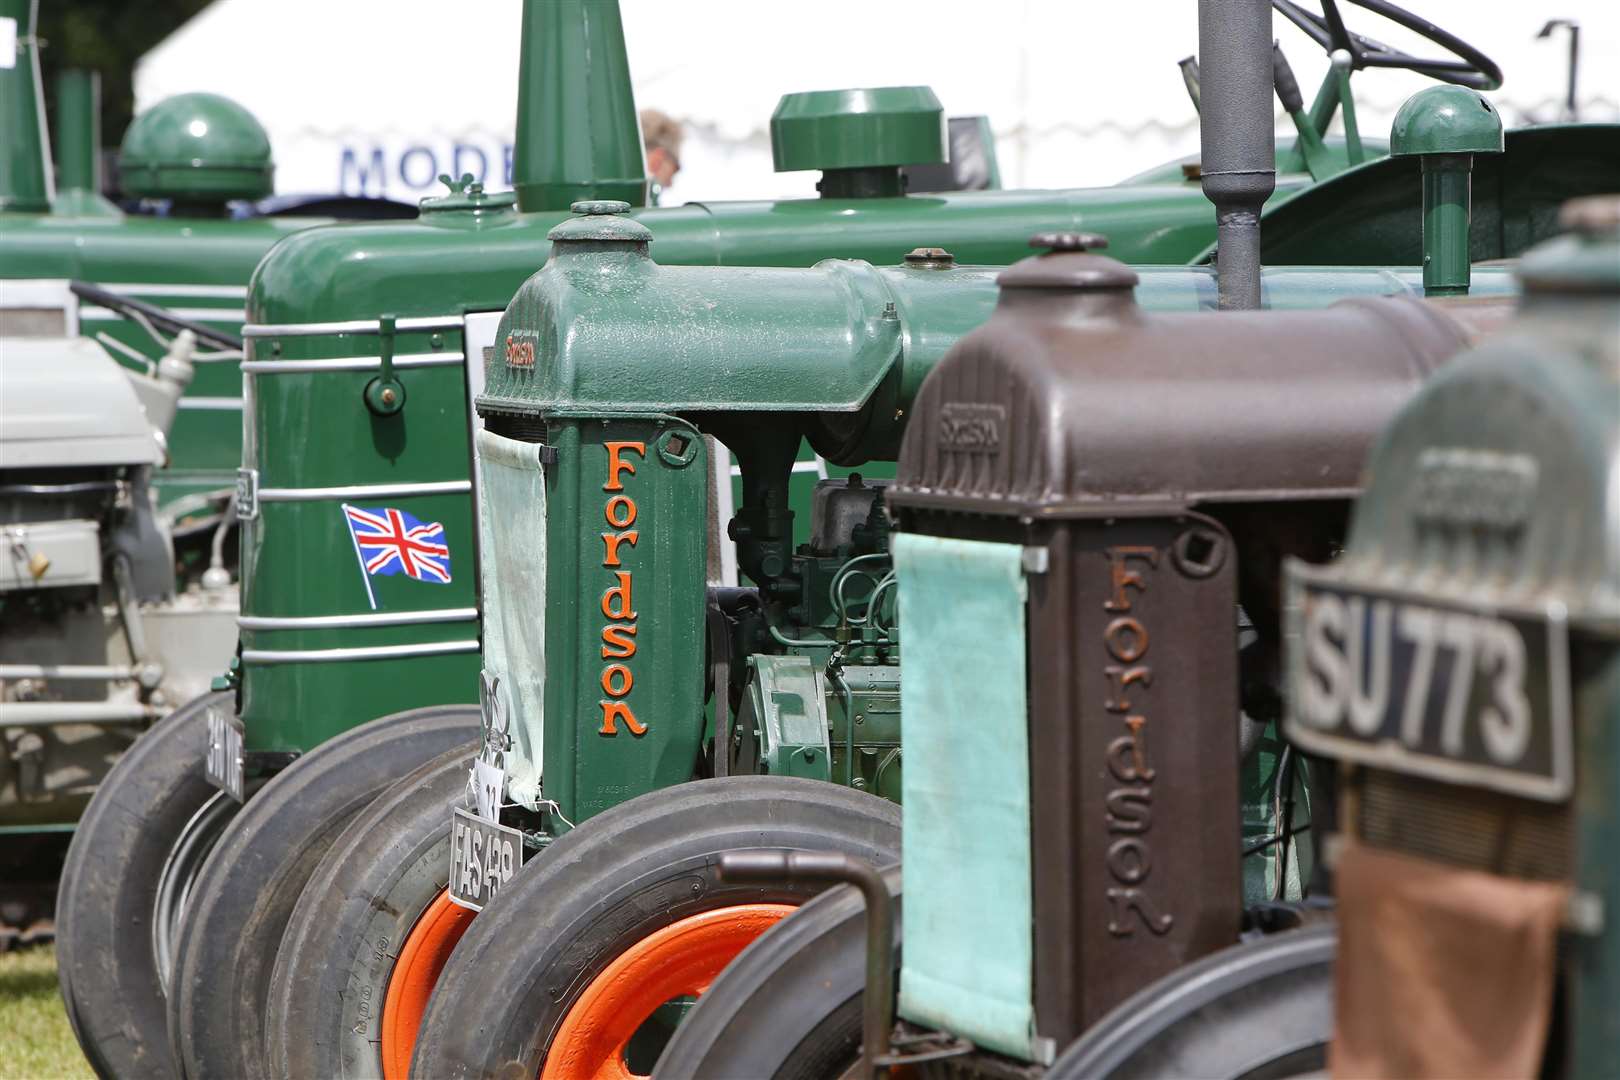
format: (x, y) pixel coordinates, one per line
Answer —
(625, 555)
(968, 966)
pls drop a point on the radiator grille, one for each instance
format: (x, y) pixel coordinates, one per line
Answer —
(1468, 827)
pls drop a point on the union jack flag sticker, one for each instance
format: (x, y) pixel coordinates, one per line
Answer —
(389, 541)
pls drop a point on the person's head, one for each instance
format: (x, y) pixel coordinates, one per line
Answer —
(662, 135)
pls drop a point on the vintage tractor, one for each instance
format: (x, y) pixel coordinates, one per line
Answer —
(1458, 669)
(100, 635)
(341, 318)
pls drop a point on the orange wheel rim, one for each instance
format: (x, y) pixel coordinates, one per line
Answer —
(411, 983)
(681, 960)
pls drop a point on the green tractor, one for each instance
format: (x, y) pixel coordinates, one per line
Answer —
(366, 346)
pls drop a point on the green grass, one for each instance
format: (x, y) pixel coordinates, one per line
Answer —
(35, 1039)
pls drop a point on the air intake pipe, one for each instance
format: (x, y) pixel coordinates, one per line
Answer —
(1237, 144)
(577, 132)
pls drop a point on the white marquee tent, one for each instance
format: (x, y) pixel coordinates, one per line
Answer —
(374, 96)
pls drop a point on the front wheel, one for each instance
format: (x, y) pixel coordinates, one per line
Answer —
(1262, 1010)
(627, 917)
(125, 885)
(370, 934)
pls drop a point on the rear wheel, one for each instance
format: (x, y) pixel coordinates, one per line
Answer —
(128, 874)
(1261, 1010)
(628, 914)
(246, 891)
(370, 934)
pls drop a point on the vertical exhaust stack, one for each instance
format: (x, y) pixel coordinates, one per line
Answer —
(577, 132)
(25, 152)
(78, 146)
(1237, 145)
(78, 130)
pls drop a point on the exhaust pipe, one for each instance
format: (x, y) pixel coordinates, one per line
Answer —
(578, 136)
(25, 160)
(1237, 145)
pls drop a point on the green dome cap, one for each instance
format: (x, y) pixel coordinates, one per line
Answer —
(859, 129)
(1446, 119)
(196, 148)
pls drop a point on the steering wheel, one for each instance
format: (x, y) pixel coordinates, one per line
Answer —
(1471, 67)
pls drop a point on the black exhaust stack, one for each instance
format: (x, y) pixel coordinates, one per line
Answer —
(1237, 146)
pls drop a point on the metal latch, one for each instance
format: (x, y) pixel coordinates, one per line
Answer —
(247, 494)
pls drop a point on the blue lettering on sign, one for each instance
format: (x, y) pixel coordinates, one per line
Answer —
(506, 157)
(365, 175)
(456, 167)
(405, 166)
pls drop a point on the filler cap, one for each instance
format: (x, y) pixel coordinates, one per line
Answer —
(1446, 119)
(196, 148)
(602, 220)
(1067, 263)
(859, 129)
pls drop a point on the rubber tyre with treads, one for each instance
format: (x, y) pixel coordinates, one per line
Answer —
(790, 1005)
(1262, 1010)
(331, 984)
(618, 880)
(105, 905)
(254, 876)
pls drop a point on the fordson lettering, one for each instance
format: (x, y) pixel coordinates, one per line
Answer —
(618, 605)
(1128, 806)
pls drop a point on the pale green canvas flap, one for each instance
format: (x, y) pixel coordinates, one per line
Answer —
(512, 573)
(968, 964)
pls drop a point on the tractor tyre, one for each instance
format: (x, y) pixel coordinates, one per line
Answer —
(1261, 1010)
(790, 1005)
(625, 915)
(248, 887)
(131, 864)
(370, 934)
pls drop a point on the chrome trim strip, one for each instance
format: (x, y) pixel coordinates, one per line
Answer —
(220, 292)
(344, 622)
(350, 363)
(352, 326)
(364, 491)
(380, 652)
(231, 316)
(215, 404)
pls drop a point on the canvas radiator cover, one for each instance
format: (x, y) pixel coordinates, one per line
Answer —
(512, 576)
(965, 792)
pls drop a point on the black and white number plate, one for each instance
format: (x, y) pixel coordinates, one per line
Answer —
(1460, 694)
(223, 759)
(484, 857)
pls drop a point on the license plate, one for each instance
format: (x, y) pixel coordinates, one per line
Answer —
(1462, 694)
(223, 765)
(484, 857)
